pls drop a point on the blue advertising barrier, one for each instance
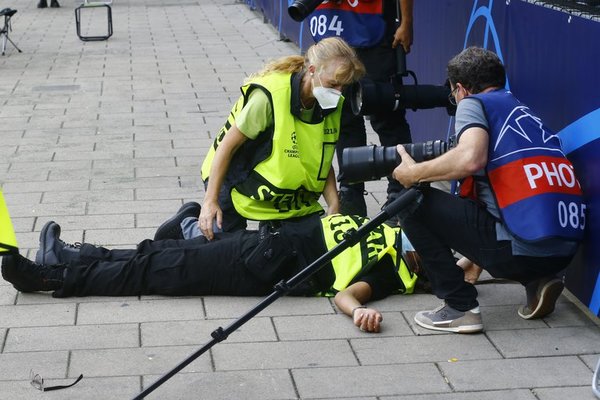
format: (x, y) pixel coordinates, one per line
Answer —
(553, 65)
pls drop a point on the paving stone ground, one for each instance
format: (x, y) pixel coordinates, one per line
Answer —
(107, 137)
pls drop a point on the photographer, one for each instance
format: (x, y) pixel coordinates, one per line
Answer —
(372, 29)
(243, 263)
(520, 214)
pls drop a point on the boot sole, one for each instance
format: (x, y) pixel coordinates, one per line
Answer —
(548, 296)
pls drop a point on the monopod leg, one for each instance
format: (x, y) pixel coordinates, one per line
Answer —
(350, 239)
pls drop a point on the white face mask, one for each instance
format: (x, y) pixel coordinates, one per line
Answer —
(327, 98)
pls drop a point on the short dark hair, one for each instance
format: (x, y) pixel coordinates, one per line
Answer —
(477, 69)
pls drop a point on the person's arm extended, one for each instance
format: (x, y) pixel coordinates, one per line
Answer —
(211, 210)
(468, 157)
(330, 194)
(350, 301)
(404, 33)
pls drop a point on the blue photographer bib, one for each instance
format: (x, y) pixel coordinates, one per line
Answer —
(358, 22)
(534, 184)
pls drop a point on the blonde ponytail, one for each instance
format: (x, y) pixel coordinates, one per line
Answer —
(288, 64)
(349, 69)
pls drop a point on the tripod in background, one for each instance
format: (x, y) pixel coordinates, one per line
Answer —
(7, 13)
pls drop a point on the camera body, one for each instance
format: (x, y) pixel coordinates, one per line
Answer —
(368, 163)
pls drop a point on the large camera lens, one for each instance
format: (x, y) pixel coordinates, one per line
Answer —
(369, 97)
(368, 163)
(301, 8)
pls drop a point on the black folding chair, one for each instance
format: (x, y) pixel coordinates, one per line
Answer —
(7, 13)
(94, 4)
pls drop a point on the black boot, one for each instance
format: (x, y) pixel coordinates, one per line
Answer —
(54, 251)
(54, 4)
(352, 200)
(26, 276)
(42, 4)
(171, 228)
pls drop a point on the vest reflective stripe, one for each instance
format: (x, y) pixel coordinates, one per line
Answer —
(290, 180)
(358, 22)
(534, 184)
(235, 110)
(360, 258)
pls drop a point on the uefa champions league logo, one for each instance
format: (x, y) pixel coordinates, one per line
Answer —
(490, 41)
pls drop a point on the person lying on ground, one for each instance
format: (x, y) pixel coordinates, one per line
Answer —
(243, 263)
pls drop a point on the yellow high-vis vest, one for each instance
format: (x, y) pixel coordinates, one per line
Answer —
(357, 260)
(8, 240)
(288, 181)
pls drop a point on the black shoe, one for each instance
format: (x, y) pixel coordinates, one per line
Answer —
(352, 201)
(54, 251)
(26, 276)
(171, 228)
(42, 4)
(54, 4)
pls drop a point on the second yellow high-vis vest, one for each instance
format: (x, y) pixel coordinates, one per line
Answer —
(360, 258)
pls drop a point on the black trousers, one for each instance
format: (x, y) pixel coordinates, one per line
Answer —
(169, 267)
(444, 222)
(391, 127)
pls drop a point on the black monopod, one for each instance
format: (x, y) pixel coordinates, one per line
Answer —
(351, 237)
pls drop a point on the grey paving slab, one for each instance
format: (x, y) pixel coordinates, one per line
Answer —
(546, 342)
(163, 194)
(37, 315)
(180, 309)
(568, 314)
(134, 361)
(577, 392)
(250, 385)
(519, 373)
(432, 348)
(519, 394)
(50, 364)
(89, 389)
(591, 360)
(7, 295)
(370, 380)
(234, 307)
(72, 337)
(129, 237)
(506, 317)
(198, 332)
(121, 207)
(315, 353)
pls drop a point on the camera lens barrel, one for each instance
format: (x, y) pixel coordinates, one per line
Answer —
(426, 150)
(300, 9)
(369, 97)
(368, 163)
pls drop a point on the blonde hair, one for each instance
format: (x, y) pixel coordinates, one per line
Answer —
(349, 68)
